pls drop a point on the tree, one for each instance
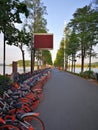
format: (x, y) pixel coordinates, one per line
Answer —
(72, 47)
(92, 35)
(10, 11)
(23, 38)
(46, 57)
(81, 24)
(59, 61)
(36, 23)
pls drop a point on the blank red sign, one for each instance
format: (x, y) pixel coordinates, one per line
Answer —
(43, 41)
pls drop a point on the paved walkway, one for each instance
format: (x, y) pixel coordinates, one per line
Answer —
(71, 103)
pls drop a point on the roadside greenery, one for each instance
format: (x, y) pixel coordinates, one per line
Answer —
(87, 74)
(59, 61)
(81, 36)
(4, 82)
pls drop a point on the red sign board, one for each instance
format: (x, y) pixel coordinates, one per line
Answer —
(43, 41)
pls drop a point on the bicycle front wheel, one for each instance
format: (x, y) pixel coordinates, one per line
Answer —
(35, 121)
(8, 127)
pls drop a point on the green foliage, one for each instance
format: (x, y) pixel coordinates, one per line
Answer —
(36, 22)
(9, 15)
(10, 11)
(4, 82)
(85, 26)
(87, 74)
(95, 64)
(72, 45)
(60, 55)
(23, 38)
(27, 63)
(46, 57)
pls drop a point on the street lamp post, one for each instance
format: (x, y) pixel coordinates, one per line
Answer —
(64, 42)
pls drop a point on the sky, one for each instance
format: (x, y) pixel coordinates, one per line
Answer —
(58, 12)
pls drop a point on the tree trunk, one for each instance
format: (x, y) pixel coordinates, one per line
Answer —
(82, 64)
(33, 60)
(66, 62)
(4, 54)
(72, 65)
(38, 64)
(23, 60)
(90, 60)
(90, 53)
(82, 59)
(32, 57)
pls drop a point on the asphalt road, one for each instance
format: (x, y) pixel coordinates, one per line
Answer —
(71, 103)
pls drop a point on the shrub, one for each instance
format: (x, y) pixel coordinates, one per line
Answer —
(87, 74)
(4, 82)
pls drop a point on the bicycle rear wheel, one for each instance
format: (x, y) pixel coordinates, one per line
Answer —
(35, 121)
(8, 127)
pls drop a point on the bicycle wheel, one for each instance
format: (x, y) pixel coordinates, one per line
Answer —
(8, 127)
(35, 121)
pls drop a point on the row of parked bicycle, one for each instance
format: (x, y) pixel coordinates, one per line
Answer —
(19, 102)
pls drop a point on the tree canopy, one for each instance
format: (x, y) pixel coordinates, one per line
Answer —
(83, 34)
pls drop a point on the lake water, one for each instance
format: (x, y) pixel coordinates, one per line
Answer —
(78, 70)
(8, 69)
